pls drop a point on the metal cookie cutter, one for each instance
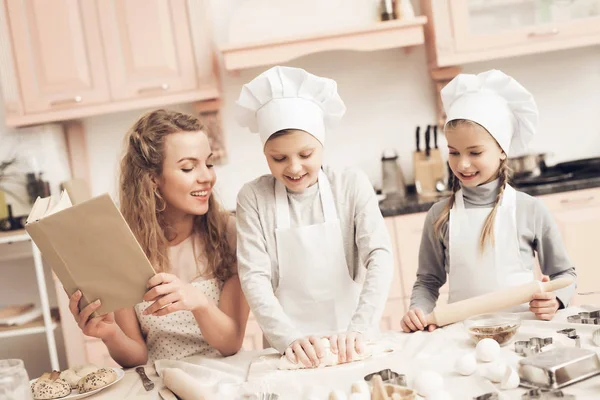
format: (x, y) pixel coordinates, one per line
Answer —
(538, 394)
(571, 334)
(532, 346)
(585, 317)
(388, 376)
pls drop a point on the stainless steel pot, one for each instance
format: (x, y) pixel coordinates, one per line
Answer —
(528, 164)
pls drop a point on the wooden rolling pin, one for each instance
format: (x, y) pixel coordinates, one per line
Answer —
(491, 302)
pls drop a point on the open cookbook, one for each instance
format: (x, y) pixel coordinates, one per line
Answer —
(90, 247)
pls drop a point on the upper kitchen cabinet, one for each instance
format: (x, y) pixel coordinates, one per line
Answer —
(463, 31)
(57, 54)
(149, 47)
(263, 32)
(67, 59)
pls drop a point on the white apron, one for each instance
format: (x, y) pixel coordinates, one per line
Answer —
(500, 266)
(315, 288)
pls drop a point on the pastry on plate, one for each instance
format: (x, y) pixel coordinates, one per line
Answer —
(50, 386)
(97, 380)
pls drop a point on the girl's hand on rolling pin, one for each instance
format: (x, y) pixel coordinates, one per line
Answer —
(415, 320)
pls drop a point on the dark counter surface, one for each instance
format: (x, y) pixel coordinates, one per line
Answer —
(392, 206)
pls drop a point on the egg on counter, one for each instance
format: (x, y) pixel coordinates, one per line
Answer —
(360, 386)
(428, 382)
(487, 350)
(466, 364)
(495, 372)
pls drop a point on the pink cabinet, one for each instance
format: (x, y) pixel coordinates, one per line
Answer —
(462, 31)
(148, 47)
(67, 59)
(57, 53)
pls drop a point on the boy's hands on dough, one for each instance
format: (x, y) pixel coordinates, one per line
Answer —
(308, 350)
(347, 346)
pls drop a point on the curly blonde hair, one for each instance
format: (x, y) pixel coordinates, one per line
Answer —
(487, 233)
(142, 205)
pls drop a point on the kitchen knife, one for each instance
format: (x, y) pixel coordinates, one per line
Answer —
(148, 384)
(492, 302)
(427, 137)
(417, 139)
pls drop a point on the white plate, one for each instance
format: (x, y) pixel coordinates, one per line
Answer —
(75, 393)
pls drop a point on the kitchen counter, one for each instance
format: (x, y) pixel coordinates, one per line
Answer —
(413, 353)
(391, 206)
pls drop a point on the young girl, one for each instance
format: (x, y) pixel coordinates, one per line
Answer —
(313, 251)
(195, 304)
(486, 235)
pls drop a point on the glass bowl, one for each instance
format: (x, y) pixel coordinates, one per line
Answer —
(501, 327)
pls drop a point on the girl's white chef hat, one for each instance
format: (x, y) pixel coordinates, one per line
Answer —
(289, 98)
(497, 102)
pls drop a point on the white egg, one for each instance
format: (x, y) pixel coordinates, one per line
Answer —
(466, 364)
(510, 380)
(337, 395)
(428, 382)
(495, 372)
(439, 395)
(487, 350)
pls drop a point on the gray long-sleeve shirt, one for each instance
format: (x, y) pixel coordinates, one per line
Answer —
(367, 248)
(537, 233)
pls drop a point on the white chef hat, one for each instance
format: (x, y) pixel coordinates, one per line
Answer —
(497, 102)
(289, 98)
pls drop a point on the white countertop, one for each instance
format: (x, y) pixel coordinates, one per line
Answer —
(414, 353)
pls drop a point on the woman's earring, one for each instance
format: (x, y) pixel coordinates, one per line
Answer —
(503, 156)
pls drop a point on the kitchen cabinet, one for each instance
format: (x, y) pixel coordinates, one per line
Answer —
(463, 31)
(57, 53)
(69, 59)
(143, 61)
(577, 215)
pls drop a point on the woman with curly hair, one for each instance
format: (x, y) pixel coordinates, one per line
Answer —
(194, 304)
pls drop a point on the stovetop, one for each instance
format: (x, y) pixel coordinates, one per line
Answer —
(570, 170)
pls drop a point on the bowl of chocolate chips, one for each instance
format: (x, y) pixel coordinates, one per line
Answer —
(501, 327)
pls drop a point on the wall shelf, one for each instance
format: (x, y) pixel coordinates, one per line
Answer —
(378, 36)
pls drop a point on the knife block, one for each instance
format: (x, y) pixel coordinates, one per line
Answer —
(428, 171)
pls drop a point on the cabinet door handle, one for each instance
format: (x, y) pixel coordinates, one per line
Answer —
(551, 32)
(164, 87)
(577, 201)
(76, 99)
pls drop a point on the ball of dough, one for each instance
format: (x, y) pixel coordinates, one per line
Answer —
(96, 380)
(466, 365)
(50, 386)
(487, 350)
(428, 382)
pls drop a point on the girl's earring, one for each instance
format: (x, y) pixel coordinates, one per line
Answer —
(503, 156)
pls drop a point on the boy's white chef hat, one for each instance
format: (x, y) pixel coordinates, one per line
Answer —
(497, 102)
(289, 98)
